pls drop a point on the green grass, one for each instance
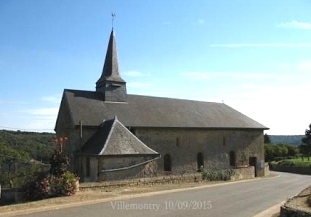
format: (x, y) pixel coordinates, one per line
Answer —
(304, 162)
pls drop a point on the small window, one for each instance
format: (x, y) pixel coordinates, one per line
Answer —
(167, 162)
(232, 158)
(200, 160)
(177, 142)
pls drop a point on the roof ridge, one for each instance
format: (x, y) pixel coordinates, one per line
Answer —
(108, 137)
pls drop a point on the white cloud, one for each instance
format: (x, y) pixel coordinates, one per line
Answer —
(51, 99)
(198, 75)
(275, 99)
(283, 109)
(41, 119)
(167, 23)
(44, 111)
(304, 66)
(139, 84)
(295, 24)
(212, 75)
(134, 73)
(233, 45)
(200, 21)
(38, 120)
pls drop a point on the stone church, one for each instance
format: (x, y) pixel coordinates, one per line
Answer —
(115, 135)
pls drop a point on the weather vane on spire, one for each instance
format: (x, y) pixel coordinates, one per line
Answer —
(113, 15)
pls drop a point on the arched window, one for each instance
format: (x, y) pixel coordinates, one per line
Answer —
(232, 158)
(200, 160)
(167, 162)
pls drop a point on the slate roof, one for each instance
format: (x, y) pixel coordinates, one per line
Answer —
(147, 111)
(113, 138)
(111, 66)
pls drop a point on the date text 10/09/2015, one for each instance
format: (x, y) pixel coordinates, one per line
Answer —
(167, 205)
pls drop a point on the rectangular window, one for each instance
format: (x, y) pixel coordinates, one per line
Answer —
(232, 158)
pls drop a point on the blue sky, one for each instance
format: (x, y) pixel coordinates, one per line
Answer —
(255, 56)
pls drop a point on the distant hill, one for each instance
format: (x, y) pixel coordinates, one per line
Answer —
(38, 145)
(283, 139)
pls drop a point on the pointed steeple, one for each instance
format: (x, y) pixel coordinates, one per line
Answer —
(110, 83)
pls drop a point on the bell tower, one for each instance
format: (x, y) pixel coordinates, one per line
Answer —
(110, 84)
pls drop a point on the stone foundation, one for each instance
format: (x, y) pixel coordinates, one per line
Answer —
(241, 173)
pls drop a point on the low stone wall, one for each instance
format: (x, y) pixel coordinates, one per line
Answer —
(291, 169)
(244, 173)
(168, 179)
(267, 169)
(297, 206)
(11, 195)
(240, 173)
(290, 212)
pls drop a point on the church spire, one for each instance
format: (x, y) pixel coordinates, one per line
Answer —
(110, 83)
(111, 66)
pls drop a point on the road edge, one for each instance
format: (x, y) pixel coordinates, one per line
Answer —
(123, 197)
(273, 211)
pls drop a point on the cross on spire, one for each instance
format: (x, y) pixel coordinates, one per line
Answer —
(113, 15)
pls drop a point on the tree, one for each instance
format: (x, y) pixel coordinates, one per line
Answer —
(267, 139)
(10, 159)
(280, 151)
(269, 152)
(292, 150)
(305, 147)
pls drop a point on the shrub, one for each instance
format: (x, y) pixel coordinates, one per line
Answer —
(59, 163)
(217, 175)
(58, 182)
(64, 185)
(39, 188)
(48, 185)
(286, 163)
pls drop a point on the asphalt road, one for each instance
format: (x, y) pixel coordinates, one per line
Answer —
(240, 199)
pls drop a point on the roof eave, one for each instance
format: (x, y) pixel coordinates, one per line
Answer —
(185, 127)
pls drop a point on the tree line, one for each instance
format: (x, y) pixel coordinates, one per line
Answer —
(22, 154)
(38, 146)
(285, 151)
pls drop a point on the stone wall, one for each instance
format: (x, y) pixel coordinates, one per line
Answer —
(103, 168)
(11, 195)
(297, 206)
(244, 173)
(292, 169)
(290, 212)
(184, 145)
(267, 169)
(240, 174)
(124, 167)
